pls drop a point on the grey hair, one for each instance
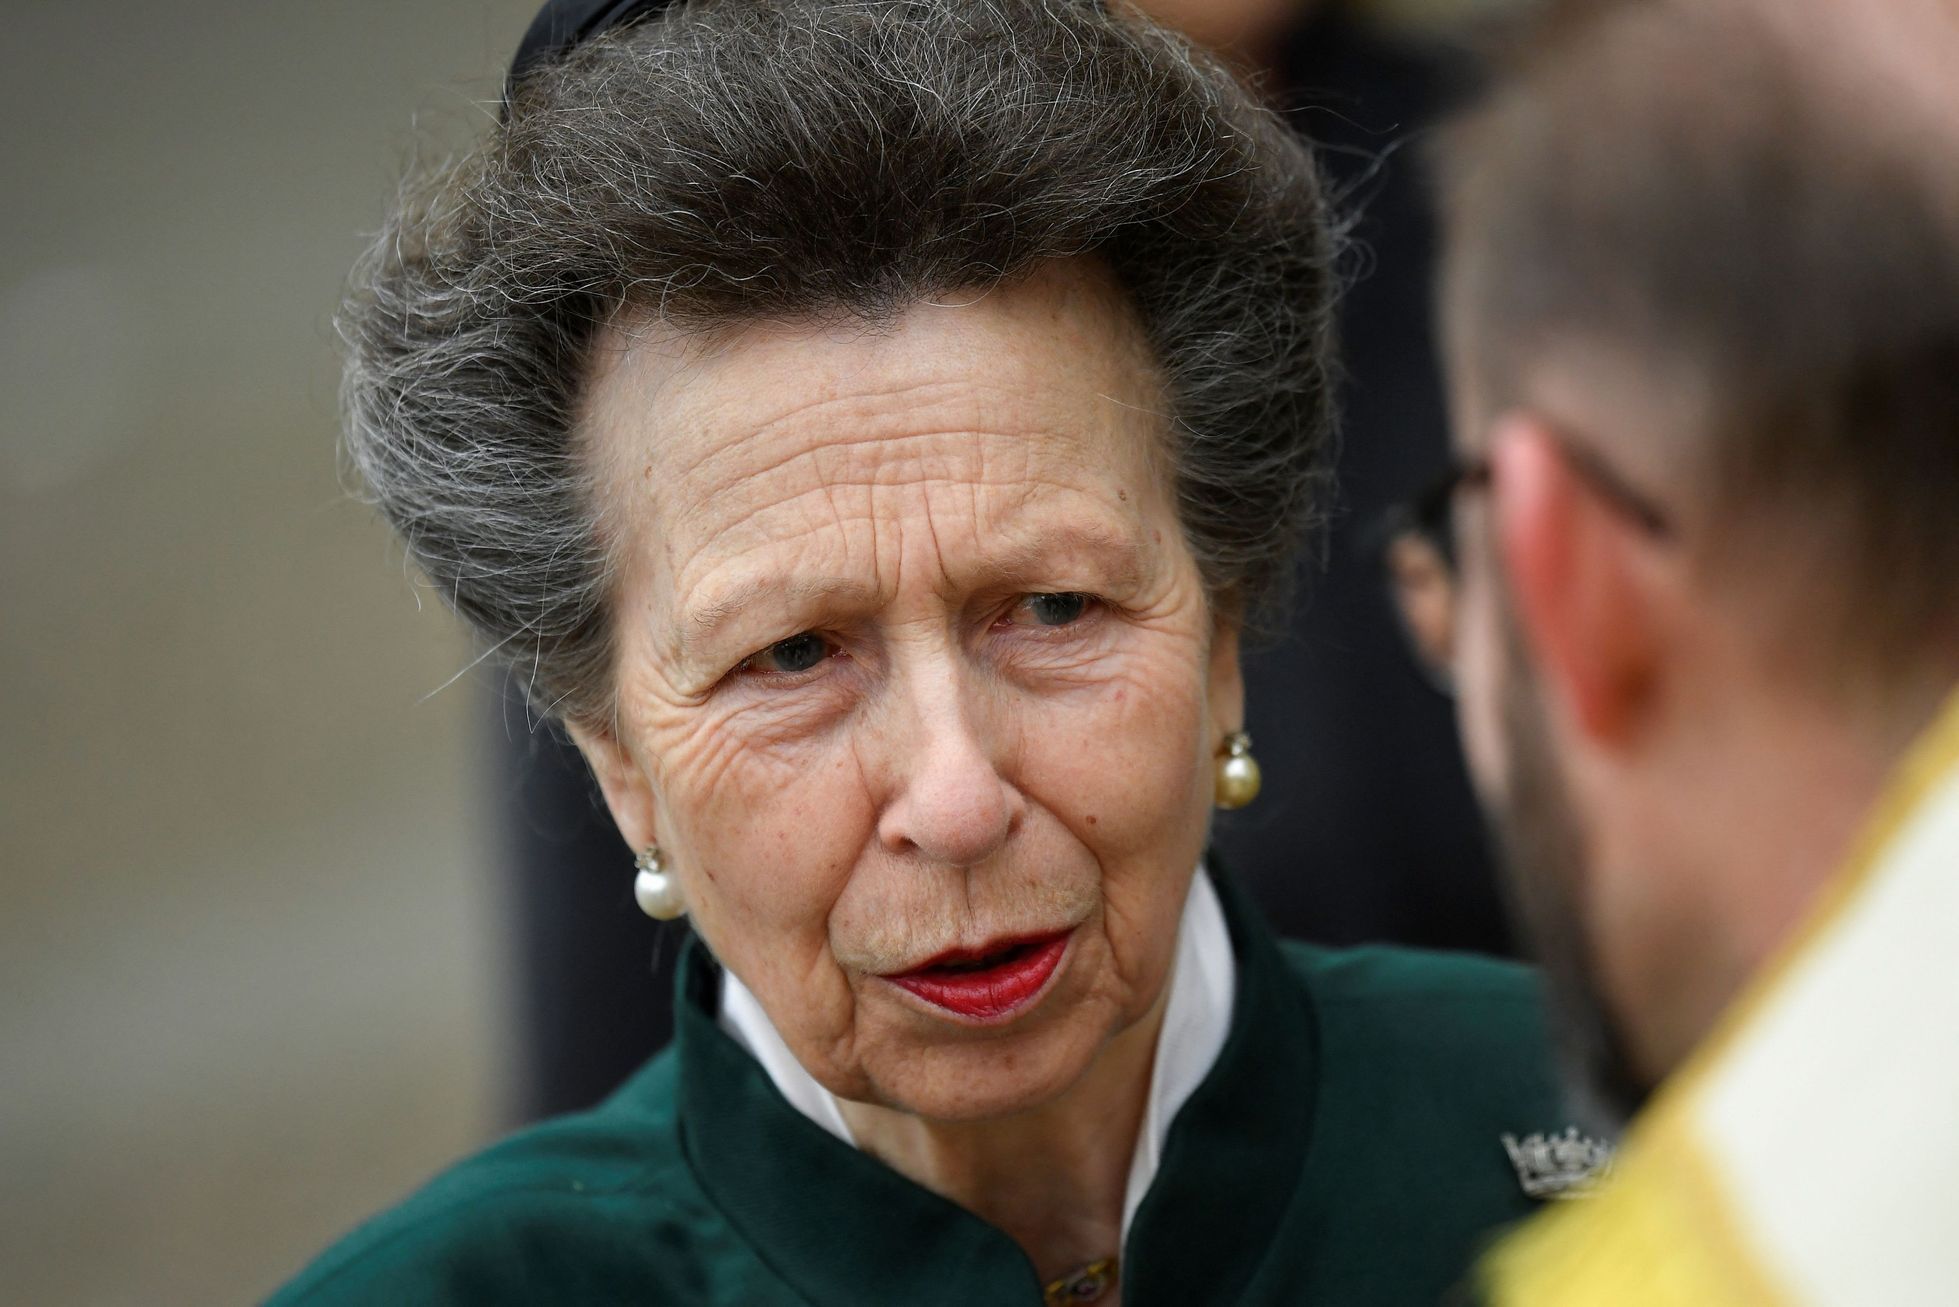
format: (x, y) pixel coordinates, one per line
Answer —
(744, 160)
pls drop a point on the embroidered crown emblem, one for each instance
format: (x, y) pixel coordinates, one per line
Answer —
(1568, 1165)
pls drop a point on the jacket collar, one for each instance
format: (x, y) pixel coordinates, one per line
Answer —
(845, 1229)
(1196, 1022)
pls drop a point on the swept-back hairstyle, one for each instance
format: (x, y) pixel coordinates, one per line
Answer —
(745, 160)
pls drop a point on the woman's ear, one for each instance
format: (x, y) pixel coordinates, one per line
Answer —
(1225, 677)
(628, 794)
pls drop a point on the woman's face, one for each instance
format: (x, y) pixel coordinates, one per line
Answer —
(913, 661)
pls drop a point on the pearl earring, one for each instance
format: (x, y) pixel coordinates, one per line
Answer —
(655, 888)
(1238, 778)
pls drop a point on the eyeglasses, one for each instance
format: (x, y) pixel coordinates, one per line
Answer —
(1418, 550)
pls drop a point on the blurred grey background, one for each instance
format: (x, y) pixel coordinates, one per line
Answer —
(248, 927)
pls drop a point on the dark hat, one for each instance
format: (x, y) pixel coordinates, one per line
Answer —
(564, 24)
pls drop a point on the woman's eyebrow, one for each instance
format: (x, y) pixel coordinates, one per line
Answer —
(702, 625)
(1118, 560)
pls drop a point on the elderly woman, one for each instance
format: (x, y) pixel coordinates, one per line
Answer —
(870, 427)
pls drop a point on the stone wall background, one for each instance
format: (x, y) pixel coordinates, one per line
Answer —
(248, 920)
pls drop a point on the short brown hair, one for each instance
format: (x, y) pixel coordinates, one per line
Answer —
(1681, 183)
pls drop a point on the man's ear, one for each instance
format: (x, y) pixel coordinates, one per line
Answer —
(1581, 580)
(628, 793)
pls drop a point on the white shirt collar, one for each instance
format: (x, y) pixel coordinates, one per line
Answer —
(1196, 1019)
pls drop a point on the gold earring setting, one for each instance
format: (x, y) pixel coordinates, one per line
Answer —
(655, 887)
(1238, 778)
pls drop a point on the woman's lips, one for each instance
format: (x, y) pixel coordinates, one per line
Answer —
(990, 985)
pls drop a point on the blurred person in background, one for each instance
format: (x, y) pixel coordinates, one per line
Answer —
(1369, 831)
(1696, 580)
(870, 429)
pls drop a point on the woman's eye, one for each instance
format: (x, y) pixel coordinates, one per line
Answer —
(1054, 609)
(798, 653)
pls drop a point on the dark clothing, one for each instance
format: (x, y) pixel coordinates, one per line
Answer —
(1345, 1148)
(591, 989)
(1367, 830)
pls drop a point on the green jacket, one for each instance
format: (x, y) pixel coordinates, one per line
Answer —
(1345, 1149)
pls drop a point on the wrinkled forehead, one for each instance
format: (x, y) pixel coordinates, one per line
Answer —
(1000, 415)
(1063, 343)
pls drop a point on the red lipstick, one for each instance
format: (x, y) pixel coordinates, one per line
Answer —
(991, 983)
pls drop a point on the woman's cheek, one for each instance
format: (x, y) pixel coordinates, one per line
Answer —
(1138, 732)
(773, 833)
(746, 744)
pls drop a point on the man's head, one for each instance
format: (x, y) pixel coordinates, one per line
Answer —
(1701, 305)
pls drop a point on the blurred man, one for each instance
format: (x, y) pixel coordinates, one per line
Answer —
(1699, 595)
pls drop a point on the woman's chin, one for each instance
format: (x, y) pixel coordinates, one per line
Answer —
(962, 1081)
(946, 1069)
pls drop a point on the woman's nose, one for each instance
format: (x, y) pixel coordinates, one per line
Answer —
(952, 805)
